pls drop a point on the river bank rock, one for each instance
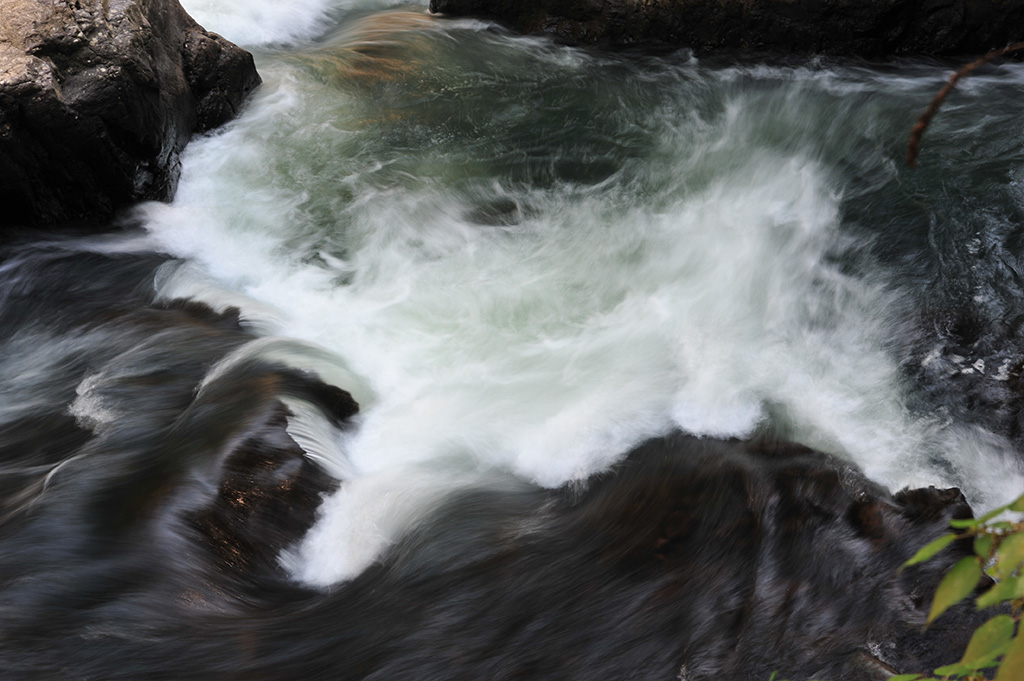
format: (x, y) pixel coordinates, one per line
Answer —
(870, 28)
(97, 100)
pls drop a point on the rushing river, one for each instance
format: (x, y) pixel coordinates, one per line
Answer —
(522, 256)
(522, 260)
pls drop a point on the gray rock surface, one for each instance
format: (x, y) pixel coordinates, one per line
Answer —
(870, 28)
(97, 99)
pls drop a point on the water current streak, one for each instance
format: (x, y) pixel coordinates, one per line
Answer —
(464, 355)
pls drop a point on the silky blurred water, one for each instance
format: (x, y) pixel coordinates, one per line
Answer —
(524, 257)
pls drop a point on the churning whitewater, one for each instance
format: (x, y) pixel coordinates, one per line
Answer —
(466, 355)
(529, 258)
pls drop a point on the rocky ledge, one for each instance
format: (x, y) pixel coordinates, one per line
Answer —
(870, 28)
(97, 99)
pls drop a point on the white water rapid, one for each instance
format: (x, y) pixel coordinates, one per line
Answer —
(525, 258)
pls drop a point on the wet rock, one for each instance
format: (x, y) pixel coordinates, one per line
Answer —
(268, 489)
(98, 98)
(267, 497)
(694, 559)
(869, 28)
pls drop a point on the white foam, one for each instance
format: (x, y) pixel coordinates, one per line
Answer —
(263, 22)
(89, 408)
(321, 440)
(604, 315)
(365, 517)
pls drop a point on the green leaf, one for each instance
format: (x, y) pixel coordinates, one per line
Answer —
(1005, 590)
(966, 523)
(974, 522)
(930, 549)
(906, 677)
(989, 641)
(1009, 555)
(1017, 504)
(958, 582)
(983, 545)
(954, 670)
(1012, 667)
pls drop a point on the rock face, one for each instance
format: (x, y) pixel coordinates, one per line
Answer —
(869, 28)
(97, 99)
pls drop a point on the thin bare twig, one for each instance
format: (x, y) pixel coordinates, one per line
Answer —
(914, 145)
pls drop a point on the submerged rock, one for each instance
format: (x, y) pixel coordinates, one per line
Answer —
(868, 28)
(97, 99)
(694, 559)
(268, 489)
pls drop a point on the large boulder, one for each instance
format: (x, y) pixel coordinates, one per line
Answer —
(97, 99)
(869, 28)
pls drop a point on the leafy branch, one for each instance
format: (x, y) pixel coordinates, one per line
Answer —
(998, 553)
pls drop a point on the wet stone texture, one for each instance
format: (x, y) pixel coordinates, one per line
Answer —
(97, 100)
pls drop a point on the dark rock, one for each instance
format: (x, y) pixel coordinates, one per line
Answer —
(694, 559)
(870, 28)
(267, 498)
(98, 98)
